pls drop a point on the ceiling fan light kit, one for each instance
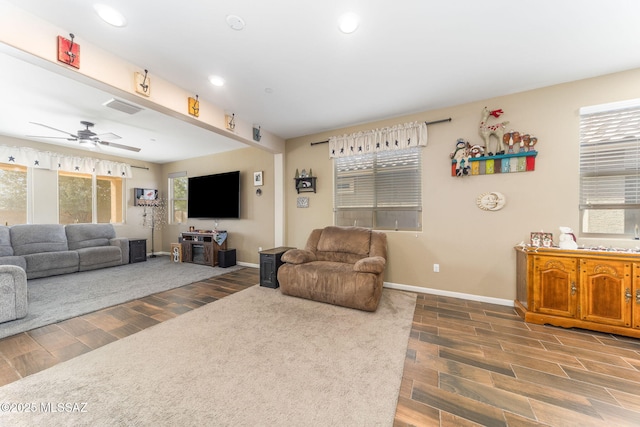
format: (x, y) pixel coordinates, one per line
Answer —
(87, 143)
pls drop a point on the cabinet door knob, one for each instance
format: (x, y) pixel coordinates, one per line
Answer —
(573, 288)
(627, 295)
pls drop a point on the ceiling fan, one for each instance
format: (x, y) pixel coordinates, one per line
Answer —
(87, 138)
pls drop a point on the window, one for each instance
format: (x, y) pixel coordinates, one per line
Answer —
(13, 194)
(76, 201)
(610, 169)
(109, 199)
(178, 183)
(380, 190)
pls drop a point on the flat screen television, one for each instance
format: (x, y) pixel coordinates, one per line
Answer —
(214, 196)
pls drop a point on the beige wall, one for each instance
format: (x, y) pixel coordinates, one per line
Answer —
(256, 226)
(473, 247)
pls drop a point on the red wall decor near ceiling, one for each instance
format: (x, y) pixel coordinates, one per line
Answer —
(68, 51)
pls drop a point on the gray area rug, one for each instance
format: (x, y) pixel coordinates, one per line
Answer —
(57, 298)
(255, 358)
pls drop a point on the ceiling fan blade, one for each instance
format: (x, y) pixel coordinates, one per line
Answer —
(121, 146)
(58, 130)
(52, 137)
(109, 135)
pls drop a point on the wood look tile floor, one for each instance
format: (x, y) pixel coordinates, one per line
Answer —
(467, 363)
(476, 364)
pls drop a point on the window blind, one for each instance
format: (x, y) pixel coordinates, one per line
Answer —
(379, 190)
(610, 158)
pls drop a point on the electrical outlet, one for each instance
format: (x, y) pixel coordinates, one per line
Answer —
(436, 268)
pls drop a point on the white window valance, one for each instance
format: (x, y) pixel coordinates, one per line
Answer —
(399, 137)
(25, 156)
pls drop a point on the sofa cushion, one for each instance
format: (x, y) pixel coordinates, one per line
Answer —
(13, 293)
(99, 257)
(331, 282)
(298, 256)
(371, 264)
(14, 260)
(89, 235)
(5, 242)
(36, 238)
(51, 263)
(352, 240)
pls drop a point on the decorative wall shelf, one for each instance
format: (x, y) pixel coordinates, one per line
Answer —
(504, 163)
(305, 184)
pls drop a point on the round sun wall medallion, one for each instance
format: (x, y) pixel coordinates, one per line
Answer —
(491, 201)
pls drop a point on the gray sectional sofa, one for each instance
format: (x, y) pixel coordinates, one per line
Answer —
(13, 293)
(50, 249)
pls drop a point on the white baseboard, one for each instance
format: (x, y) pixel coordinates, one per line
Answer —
(417, 289)
(244, 264)
(421, 290)
(158, 253)
(248, 264)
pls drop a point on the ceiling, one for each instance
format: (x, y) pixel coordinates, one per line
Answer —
(33, 94)
(291, 71)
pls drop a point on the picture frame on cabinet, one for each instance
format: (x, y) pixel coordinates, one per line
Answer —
(541, 240)
(536, 239)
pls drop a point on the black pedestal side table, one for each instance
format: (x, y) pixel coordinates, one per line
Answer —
(270, 261)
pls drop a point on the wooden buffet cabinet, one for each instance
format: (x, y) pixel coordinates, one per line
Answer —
(587, 289)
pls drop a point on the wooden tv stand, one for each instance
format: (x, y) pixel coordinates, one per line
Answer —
(201, 248)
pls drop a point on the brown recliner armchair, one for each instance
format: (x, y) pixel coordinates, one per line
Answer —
(339, 265)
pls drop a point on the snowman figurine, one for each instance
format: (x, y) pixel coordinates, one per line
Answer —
(567, 239)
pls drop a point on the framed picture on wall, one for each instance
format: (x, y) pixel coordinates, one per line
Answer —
(142, 195)
(257, 178)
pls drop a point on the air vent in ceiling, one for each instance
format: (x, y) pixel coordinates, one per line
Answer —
(116, 104)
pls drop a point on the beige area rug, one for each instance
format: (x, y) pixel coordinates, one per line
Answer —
(255, 358)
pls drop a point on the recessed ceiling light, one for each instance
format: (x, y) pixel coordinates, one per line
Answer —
(235, 22)
(348, 23)
(110, 15)
(216, 80)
